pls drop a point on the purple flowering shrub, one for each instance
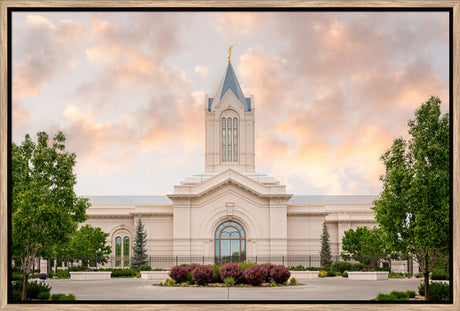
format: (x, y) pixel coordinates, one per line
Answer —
(255, 275)
(280, 274)
(179, 273)
(43, 276)
(203, 275)
(231, 270)
(268, 266)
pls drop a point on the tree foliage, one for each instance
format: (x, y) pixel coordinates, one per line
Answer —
(413, 208)
(364, 245)
(325, 254)
(88, 244)
(45, 210)
(140, 246)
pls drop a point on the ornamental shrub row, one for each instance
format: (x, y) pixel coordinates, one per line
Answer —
(240, 273)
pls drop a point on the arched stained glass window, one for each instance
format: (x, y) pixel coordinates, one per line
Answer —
(230, 242)
(229, 139)
(224, 140)
(235, 139)
(126, 251)
(117, 251)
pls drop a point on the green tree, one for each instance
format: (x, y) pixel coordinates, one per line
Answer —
(88, 244)
(413, 208)
(45, 209)
(139, 248)
(326, 258)
(364, 245)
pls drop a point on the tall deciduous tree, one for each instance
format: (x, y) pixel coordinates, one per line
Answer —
(325, 254)
(364, 245)
(413, 208)
(88, 244)
(45, 209)
(139, 248)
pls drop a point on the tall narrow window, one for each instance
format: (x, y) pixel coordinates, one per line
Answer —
(229, 139)
(117, 251)
(224, 141)
(126, 251)
(235, 139)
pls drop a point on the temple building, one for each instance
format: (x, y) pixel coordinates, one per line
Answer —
(229, 209)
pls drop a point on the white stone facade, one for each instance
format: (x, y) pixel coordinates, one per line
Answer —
(273, 222)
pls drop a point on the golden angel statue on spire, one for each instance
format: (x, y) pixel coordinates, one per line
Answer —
(230, 51)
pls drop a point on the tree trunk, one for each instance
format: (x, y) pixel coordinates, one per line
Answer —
(426, 278)
(24, 285)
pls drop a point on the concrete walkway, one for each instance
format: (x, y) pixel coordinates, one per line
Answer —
(323, 289)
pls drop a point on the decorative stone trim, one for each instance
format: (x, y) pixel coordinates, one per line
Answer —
(90, 275)
(368, 275)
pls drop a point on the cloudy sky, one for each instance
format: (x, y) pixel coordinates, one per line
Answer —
(331, 90)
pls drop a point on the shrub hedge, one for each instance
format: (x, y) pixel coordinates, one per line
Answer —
(255, 275)
(280, 274)
(203, 275)
(439, 291)
(231, 270)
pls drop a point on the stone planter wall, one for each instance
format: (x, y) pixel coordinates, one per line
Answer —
(368, 276)
(154, 275)
(302, 275)
(90, 275)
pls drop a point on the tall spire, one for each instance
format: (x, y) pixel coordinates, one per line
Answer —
(230, 82)
(230, 52)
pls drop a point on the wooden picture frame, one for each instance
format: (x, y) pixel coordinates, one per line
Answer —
(454, 5)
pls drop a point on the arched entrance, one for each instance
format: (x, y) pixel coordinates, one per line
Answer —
(230, 242)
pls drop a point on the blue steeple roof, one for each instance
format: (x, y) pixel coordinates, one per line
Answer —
(230, 82)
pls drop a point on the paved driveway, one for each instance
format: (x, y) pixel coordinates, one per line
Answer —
(316, 289)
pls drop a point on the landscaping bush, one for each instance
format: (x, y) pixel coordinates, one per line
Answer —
(322, 274)
(170, 282)
(229, 281)
(385, 297)
(345, 274)
(34, 288)
(62, 274)
(356, 267)
(43, 276)
(439, 291)
(410, 293)
(17, 276)
(203, 275)
(293, 281)
(123, 273)
(43, 295)
(255, 274)
(439, 275)
(217, 278)
(400, 295)
(330, 273)
(179, 273)
(268, 266)
(341, 266)
(396, 275)
(145, 268)
(297, 268)
(190, 278)
(231, 270)
(62, 297)
(246, 264)
(280, 274)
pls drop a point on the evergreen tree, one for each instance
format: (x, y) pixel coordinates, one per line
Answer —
(326, 258)
(139, 247)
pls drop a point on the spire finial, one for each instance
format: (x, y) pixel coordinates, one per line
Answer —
(230, 51)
